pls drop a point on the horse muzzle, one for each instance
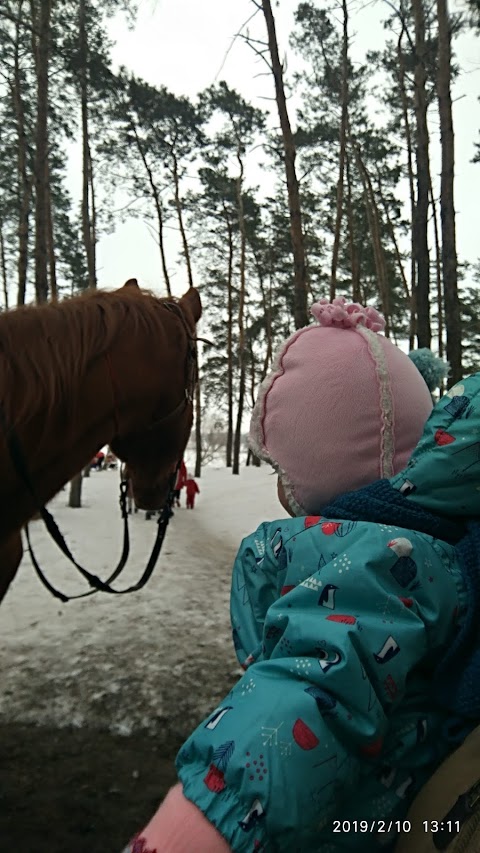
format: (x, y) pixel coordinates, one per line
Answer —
(150, 498)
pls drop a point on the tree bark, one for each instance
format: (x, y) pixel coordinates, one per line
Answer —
(354, 261)
(198, 429)
(158, 208)
(375, 235)
(52, 266)
(267, 313)
(420, 223)
(75, 496)
(411, 183)
(241, 319)
(447, 206)
(229, 445)
(3, 264)
(42, 55)
(438, 271)
(24, 182)
(86, 157)
(93, 217)
(178, 208)
(294, 205)
(396, 248)
(341, 165)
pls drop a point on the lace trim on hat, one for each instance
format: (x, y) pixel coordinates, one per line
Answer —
(387, 447)
(258, 447)
(257, 439)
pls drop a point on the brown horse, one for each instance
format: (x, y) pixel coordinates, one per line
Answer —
(115, 368)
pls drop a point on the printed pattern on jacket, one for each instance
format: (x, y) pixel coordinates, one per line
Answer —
(339, 626)
(330, 620)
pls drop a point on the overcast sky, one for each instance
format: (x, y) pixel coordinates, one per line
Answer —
(186, 45)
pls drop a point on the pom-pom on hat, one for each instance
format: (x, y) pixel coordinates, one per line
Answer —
(434, 370)
(342, 407)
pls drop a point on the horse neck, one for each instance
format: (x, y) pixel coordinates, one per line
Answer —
(117, 394)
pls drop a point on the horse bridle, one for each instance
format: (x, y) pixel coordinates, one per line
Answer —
(190, 378)
(18, 459)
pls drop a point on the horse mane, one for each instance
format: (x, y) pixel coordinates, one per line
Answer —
(45, 350)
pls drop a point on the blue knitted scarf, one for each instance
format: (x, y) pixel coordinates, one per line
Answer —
(456, 680)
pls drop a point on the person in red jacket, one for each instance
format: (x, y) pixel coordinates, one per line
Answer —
(192, 490)
(179, 482)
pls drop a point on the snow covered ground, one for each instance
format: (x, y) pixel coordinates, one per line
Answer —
(155, 660)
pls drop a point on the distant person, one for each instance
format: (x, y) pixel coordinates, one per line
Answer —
(356, 618)
(179, 483)
(98, 461)
(192, 490)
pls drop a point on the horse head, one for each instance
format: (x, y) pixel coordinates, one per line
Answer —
(153, 449)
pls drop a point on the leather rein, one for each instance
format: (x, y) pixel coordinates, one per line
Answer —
(18, 459)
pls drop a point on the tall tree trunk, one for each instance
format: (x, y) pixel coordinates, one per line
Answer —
(229, 445)
(294, 206)
(161, 245)
(86, 158)
(411, 183)
(3, 264)
(198, 429)
(376, 239)
(158, 207)
(252, 371)
(75, 495)
(93, 217)
(42, 56)
(391, 231)
(241, 318)
(354, 261)
(52, 266)
(188, 261)
(267, 313)
(447, 206)
(420, 224)
(24, 181)
(178, 208)
(75, 499)
(438, 271)
(341, 164)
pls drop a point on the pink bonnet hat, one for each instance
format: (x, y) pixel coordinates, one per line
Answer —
(342, 407)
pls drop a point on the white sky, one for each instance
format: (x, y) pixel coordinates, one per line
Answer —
(186, 45)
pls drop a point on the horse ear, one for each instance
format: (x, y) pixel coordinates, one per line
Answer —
(132, 282)
(192, 302)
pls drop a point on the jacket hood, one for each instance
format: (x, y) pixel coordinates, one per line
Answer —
(443, 474)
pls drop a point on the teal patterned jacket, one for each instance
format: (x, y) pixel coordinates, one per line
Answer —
(333, 728)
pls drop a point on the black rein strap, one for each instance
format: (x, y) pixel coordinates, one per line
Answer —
(95, 582)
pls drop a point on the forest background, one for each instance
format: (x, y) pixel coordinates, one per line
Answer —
(339, 176)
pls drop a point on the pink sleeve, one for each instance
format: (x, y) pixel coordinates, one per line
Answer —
(178, 827)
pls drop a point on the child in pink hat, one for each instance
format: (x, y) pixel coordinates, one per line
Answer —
(341, 612)
(343, 407)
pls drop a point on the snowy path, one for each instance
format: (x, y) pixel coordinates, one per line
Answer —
(156, 660)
